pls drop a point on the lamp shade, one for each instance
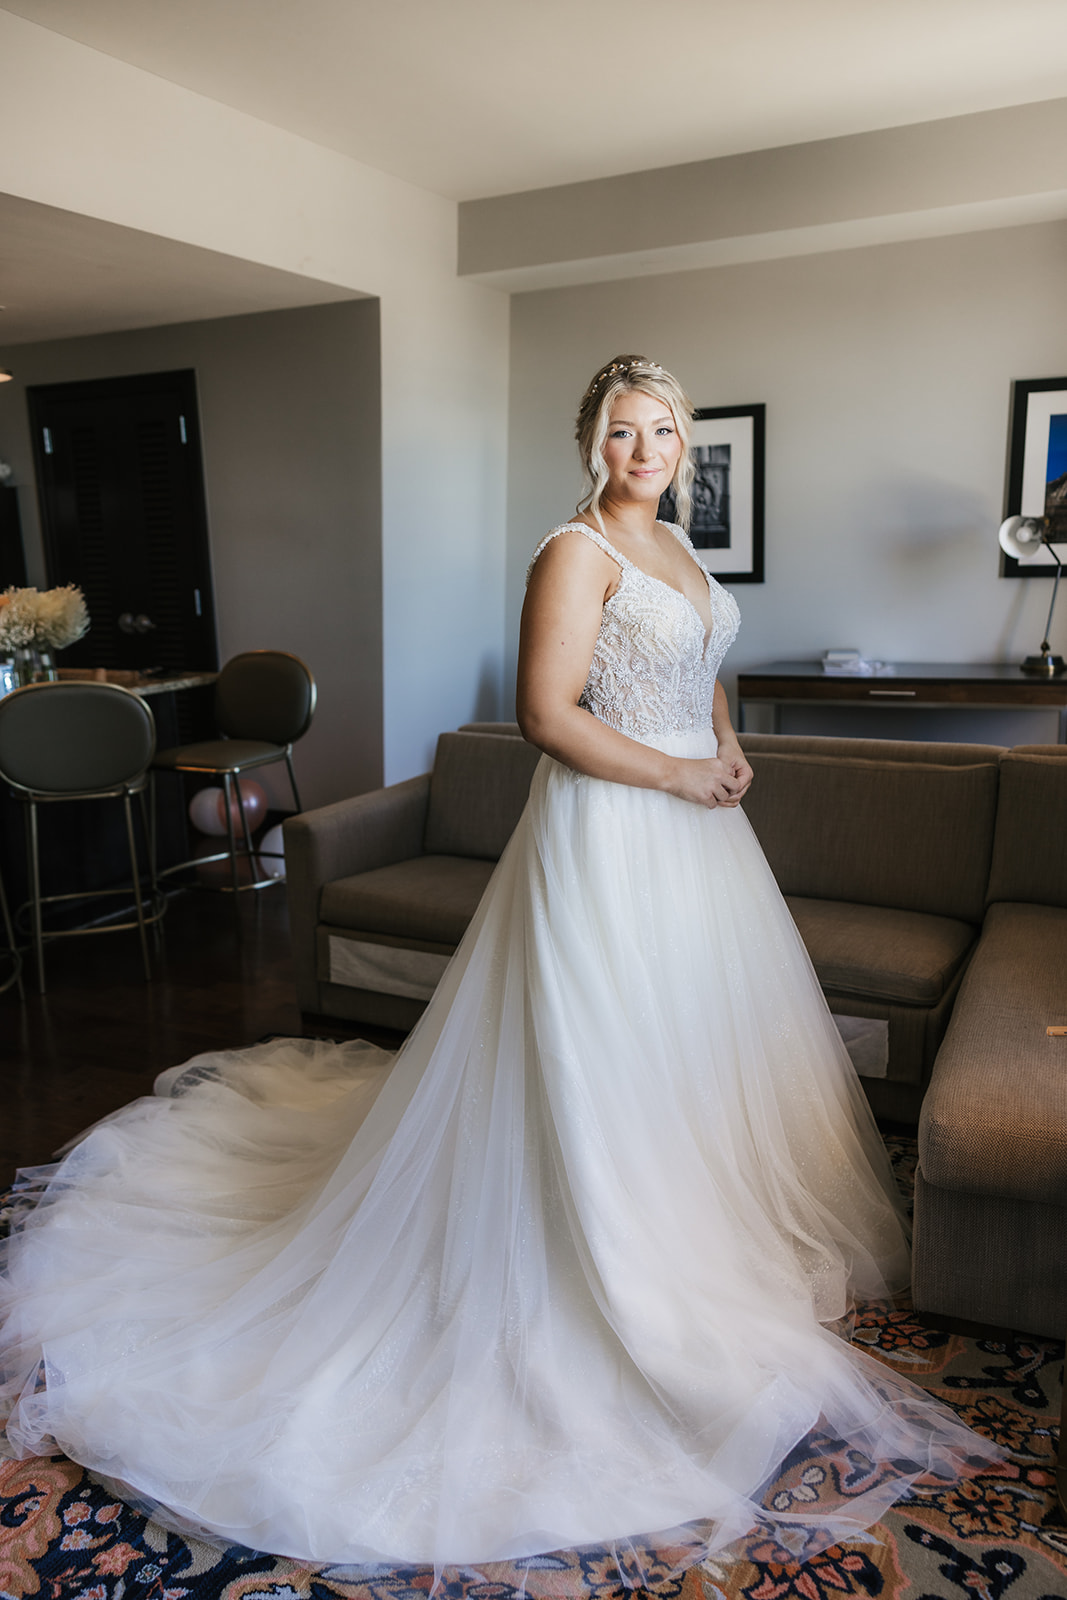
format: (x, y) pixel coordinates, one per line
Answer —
(1022, 537)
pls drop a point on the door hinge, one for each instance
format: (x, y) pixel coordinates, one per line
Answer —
(181, 430)
(47, 432)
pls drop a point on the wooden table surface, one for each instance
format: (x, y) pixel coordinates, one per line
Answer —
(980, 686)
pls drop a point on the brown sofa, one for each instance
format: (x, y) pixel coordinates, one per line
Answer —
(382, 886)
(882, 849)
(929, 882)
(991, 1189)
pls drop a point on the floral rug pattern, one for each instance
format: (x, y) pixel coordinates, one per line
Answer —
(1001, 1536)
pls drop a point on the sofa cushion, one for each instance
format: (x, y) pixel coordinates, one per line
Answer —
(429, 898)
(1030, 843)
(881, 954)
(916, 752)
(478, 788)
(379, 963)
(994, 1121)
(912, 835)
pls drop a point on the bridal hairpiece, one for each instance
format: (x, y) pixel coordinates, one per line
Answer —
(622, 366)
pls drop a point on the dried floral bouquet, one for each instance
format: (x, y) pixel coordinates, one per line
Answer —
(48, 619)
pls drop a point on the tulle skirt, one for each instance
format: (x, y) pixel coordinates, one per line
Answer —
(565, 1274)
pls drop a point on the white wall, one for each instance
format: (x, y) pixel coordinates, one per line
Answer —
(90, 134)
(886, 373)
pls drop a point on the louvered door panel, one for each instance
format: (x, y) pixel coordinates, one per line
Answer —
(170, 582)
(87, 557)
(122, 500)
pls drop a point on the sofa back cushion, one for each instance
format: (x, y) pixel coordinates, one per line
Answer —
(507, 730)
(910, 834)
(1030, 844)
(478, 788)
(926, 752)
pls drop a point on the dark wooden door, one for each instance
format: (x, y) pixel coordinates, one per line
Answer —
(12, 557)
(122, 505)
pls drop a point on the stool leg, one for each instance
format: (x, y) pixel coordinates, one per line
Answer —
(1061, 1458)
(244, 825)
(149, 831)
(135, 878)
(35, 890)
(9, 934)
(150, 827)
(292, 778)
(227, 779)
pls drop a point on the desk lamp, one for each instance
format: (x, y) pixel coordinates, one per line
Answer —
(1023, 538)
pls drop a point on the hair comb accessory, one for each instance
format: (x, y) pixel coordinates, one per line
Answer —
(622, 366)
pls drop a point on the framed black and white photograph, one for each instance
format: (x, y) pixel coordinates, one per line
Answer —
(727, 444)
(1037, 468)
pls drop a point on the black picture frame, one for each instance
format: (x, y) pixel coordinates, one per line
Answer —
(1038, 421)
(730, 443)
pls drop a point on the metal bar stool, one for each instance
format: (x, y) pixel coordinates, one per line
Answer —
(79, 741)
(264, 703)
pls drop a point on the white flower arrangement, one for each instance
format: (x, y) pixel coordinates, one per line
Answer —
(47, 620)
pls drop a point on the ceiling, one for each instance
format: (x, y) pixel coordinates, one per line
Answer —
(481, 97)
(473, 98)
(63, 275)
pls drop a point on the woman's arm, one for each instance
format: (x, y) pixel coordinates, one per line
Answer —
(729, 751)
(560, 621)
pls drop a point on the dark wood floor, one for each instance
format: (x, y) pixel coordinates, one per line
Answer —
(101, 1033)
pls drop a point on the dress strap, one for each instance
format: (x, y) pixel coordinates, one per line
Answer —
(590, 533)
(686, 543)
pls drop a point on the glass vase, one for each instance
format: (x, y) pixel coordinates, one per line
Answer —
(34, 666)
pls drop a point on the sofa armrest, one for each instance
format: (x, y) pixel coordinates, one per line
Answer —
(357, 835)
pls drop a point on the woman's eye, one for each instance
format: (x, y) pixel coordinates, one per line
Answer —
(664, 430)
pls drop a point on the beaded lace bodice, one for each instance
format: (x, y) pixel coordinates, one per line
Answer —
(652, 670)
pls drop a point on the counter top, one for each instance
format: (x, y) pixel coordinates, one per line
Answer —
(139, 682)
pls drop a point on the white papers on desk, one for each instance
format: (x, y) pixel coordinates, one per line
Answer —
(836, 665)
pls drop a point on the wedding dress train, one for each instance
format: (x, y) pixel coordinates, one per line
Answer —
(557, 1278)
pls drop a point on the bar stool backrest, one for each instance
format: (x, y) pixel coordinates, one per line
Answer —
(74, 738)
(264, 694)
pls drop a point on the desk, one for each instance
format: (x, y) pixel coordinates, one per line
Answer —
(979, 688)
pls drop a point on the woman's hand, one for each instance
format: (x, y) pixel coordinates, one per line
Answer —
(711, 782)
(741, 774)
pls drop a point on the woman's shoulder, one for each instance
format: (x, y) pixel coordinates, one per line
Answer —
(680, 534)
(699, 556)
(576, 537)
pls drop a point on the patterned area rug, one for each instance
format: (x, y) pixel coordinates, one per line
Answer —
(1001, 1536)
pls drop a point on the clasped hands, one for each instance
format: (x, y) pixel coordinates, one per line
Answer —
(719, 780)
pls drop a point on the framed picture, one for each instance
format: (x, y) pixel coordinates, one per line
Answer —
(1037, 468)
(727, 444)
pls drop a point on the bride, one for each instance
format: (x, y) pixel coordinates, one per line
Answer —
(566, 1274)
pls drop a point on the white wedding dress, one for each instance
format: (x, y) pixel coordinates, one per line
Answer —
(559, 1277)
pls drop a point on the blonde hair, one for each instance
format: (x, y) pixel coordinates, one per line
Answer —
(624, 375)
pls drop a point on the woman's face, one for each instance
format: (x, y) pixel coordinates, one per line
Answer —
(642, 448)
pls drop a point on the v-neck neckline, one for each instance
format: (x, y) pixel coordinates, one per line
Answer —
(624, 562)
